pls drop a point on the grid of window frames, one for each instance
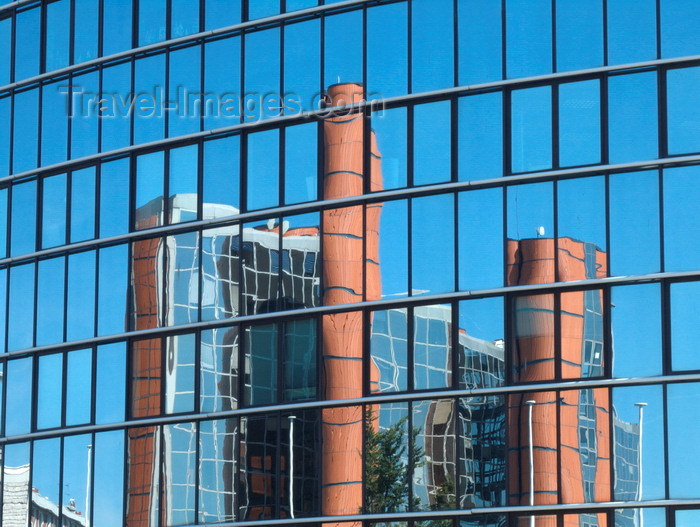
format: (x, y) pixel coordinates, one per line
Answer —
(409, 263)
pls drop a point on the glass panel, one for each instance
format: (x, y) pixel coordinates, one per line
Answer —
(184, 87)
(27, 27)
(579, 34)
(481, 343)
(49, 391)
(432, 347)
(149, 190)
(184, 18)
(389, 127)
(146, 359)
(480, 136)
(528, 38)
(479, 41)
(218, 369)
(151, 21)
(489, 520)
(302, 66)
(79, 387)
(53, 211)
(300, 266)
(480, 233)
(387, 450)
(685, 304)
(82, 199)
(116, 109)
(114, 198)
(530, 245)
(6, 47)
(387, 50)
(392, 262)
(389, 350)
(683, 114)
(431, 134)
(638, 427)
(26, 130)
(18, 415)
(221, 13)
(432, 64)
(143, 450)
(80, 314)
(679, 28)
(54, 123)
(146, 298)
(108, 482)
(300, 163)
(262, 75)
(433, 455)
(179, 373)
(634, 223)
(20, 318)
(531, 133)
(263, 169)
(684, 518)
(77, 453)
(178, 469)
(85, 115)
(182, 184)
(341, 369)
(221, 180)
(23, 215)
(3, 313)
(342, 59)
(632, 117)
(432, 256)
(85, 34)
(299, 360)
(631, 30)
(681, 218)
(182, 283)
(683, 459)
(50, 301)
(110, 385)
(263, 9)
(17, 465)
(261, 364)
(579, 123)
(116, 26)
(57, 34)
(581, 322)
(217, 443)
(636, 329)
(46, 464)
(112, 289)
(149, 79)
(220, 273)
(223, 102)
(5, 125)
(533, 349)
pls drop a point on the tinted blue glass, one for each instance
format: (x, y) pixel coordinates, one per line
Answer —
(149, 190)
(26, 131)
(302, 85)
(579, 123)
(53, 211)
(50, 301)
(78, 389)
(184, 89)
(680, 28)
(530, 211)
(581, 210)
(683, 458)
(75, 452)
(18, 415)
(82, 213)
(108, 487)
(300, 163)
(479, 41)
(49, 391)
(221, 182)
(389, 127)
(631, 30)
(528, 38)
(112, 289)
(111, 385)
(293, 5)
(114, 198)
(687, 518)
(579, 34)
(393, 250)
(23, 218)
(27, 27)
(681, 218)
(57, 34)
(149, 83)
(531, 129)
(182, 183)
(634, 223)
(480, 137)
(85, 33)
(387, 50)
(342, 49)
(85, 117)
(184, 18)
(3, 222)
(432, 64)
(54, 124)
(46, 462)
(80, 313)
(431, 135)
(432, 256)
(21, 308)
(480, 233)
(685, 305)
(116, 113)
(263, 169)
(116, 26)
(683, 107)
(5, 136)
(632, 117)
(262, 75)
(263, 9)
(221, 13)
(151, 21)
(5, 49)
(222, 83)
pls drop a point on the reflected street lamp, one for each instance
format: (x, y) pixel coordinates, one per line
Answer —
(639, 488)
(291, 465)
(87, 486)
(530, 405)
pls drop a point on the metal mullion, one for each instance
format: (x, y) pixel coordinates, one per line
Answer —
(42, 37)
(409, 60)
(165, 108)
(554, 35)
(410, 348)
(658, 35)
(666, 321)
(605, 32)
(71, 33)
(197, 450)
(557, 336)
(558, 404)
(607, 334)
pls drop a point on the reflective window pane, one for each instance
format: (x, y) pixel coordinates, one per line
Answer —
(182, 293)
(184, 18)
(300, 163)
(685, 304)
(84, 115)
(389, 350)
(179, 376)
(149, 80)
(151, 21)
(579, 34)
(80, 313)
(25, 130)
(110, 384)
(479, 41)
(221, 13)
(53, 211)
(263, 169)
(223, 103)
(54, 123)
(432, 65)
(116, 117)
(683, 459)
(681, 220)
(57, 34)
(108, 480)
(218, 369)
(683, 114)
(18, 415)
(302, 66)
(533, 350)
(631, 26)
(112, 289)
(50, 301)
(431, 134)
(432, 257)
(49, 391)
(389, 127)
(480, 136)
(146, 360)
(393, 251)
(387, 70)
(79, 387)
(261, 354)
(581, 224)
(76, 485)
(82, 198)
(149, 190)
(23, 218)
(217, 440)
(27, 27)
(679, 28)
(342, 57)
(114, 198)
(182, 184)
(432, 347)
(184, 87)
(20, 320)
(85, 35)
(221, 177)
(262, 75)
(531, 129)
(481, 354)
(116, 26)
(581, 332)
(528, 38)
(579, 123)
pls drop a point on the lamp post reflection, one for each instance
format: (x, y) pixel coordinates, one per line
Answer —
(530, 405)
(87, 486)
(641, 465)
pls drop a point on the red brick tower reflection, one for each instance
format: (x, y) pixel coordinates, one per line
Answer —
(570, 429)
(344, 258)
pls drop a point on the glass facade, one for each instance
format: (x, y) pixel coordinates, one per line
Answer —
(408, 263)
